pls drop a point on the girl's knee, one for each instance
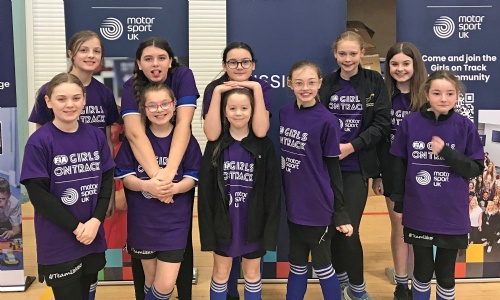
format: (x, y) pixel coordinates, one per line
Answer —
(220, 275)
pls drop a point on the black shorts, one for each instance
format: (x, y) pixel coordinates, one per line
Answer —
(426, 239)
(314, 239)
(251, 255)
(64, 273)
(170, 256)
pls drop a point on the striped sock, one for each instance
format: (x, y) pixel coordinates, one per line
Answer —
(297, 282)
(343, 279)
(253, 290)
(329, 282)
(420, 291)
(146, 289)
(401, 280)
(445, 294)
(153, 294)
(218, 291)
(358, 290)
(92, 290)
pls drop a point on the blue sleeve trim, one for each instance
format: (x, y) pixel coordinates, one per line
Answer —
(120, 174)
(187, 100)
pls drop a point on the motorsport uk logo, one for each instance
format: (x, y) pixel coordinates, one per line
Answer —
(444, 26)
(69, 196)
(423, 177)
(113, 28)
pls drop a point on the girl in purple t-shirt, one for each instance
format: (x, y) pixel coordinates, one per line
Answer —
(437, 151)
(309, 137)
(407, 73)
(158, 226)
(155, 62)
(238, 196)
(68, 173)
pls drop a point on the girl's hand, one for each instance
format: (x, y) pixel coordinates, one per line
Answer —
(252, 85)
(346, 229)
(378, 186)
(227, 86)
(479, 228)
(172, 190)
(78, 229)
(156, 187)
(89, 232)
(345, 150)
(437, 144)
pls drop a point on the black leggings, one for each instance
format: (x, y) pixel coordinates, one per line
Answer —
(67, 291)
(184, 278)
(347, 252)
(443, 265)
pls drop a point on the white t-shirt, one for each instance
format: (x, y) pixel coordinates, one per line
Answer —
(474, 216)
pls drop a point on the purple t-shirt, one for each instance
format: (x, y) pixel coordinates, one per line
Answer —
(436, 199)
(266, 91)
(346, 105)
(238, 182)
(153, 225)
(307, 136)
(100, 109)
(400, 108)
(181, 82)
(74, 164)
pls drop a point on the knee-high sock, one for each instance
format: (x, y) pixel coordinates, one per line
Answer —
(444, 293)
(153, 294)
(253, 290)
(329, 282)
(92, 290)
(420, 291)
(218, 291)
(297, 282)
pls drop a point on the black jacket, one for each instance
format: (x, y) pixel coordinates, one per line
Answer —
(376, 118)
(213, 203)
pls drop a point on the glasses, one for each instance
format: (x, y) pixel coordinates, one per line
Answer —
(245, 64)
(153, 107)
(301, 84)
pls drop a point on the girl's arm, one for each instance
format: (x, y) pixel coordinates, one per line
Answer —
(461, 164)
(399, 169)
(183, 186)
(153, 186)
(260, 118)
(381, 124)
(272, 197)
(89, 230)
(48, 205)
(111, 207)
(135, 132)
(340, 216)
(180, 140)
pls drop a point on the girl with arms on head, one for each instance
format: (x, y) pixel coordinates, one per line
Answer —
(238, 196)
(358, 97)
(158, 228)
(406, 73)
(155, 63)
(68, 173)
(238, 62)
(309, 136)
(430, 188)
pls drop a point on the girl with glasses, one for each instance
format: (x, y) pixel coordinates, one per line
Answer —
(238, 62)
(159, 216)
(155, 63)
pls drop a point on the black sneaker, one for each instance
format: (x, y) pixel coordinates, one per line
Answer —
(402, 293)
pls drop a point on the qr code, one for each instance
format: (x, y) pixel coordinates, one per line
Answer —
(465, 105)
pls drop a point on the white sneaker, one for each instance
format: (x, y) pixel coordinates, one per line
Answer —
(489, 249)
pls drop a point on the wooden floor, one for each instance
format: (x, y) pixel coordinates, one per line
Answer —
(374, 233)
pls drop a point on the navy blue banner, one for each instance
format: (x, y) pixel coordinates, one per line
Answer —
(462, 36)
(122, 24)
(281, 33)
(7, 75)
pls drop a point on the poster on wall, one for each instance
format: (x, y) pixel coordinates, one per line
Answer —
(11, 242)
(293, 32)
(122, 25)
(460, 36)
